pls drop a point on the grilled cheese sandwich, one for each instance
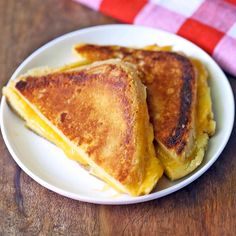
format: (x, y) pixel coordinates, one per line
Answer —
(98, 115)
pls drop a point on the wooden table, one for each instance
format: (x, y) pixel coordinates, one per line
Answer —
(206, 207)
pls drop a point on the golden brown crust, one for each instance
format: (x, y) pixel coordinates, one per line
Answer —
(52, 93)
(171, 87)
(102, 109)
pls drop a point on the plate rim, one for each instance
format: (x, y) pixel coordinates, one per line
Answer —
(114, 201)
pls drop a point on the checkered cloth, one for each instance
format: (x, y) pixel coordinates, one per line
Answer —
(211, 24)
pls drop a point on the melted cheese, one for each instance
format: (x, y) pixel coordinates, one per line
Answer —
(156, 47)
(205, 117)
(39, 125)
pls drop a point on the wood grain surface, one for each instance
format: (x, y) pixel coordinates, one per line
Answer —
(206, 207)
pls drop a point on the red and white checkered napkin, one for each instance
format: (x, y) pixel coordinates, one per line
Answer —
(211, 24)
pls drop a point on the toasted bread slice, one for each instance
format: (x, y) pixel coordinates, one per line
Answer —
(98, 115)
(172, 88)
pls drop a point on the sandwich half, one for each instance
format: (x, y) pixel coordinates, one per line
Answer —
(178, 99)
(98, 115)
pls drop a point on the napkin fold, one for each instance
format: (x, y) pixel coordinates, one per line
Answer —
(211, 24)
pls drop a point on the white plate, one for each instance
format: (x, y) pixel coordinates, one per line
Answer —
(47, 164)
